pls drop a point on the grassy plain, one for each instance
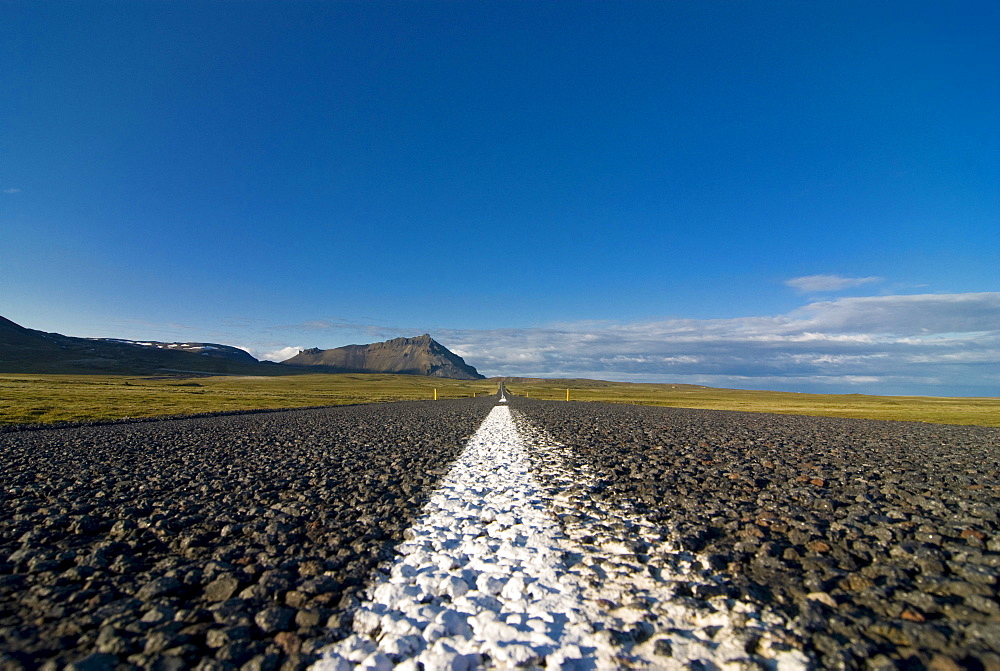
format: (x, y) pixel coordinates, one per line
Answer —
(52, 398)
(936, 410)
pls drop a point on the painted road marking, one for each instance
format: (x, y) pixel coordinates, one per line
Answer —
(487, 578)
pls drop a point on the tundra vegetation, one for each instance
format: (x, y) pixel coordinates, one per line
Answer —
(44, 399)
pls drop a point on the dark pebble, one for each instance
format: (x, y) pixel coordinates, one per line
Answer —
(222, 588)
(275, 619)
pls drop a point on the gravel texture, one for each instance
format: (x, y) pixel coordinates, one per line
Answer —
(486, 578)
(875, 544)
(214, 543)
(480, 578)
(245, 542)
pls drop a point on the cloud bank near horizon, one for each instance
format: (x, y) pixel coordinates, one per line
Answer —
(911, 344)
(280, 354)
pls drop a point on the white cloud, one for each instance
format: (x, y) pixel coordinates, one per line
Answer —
(12, 191)
(280, 354)
(914, 315)
(828, 283)
(921, 344)
(268, 351)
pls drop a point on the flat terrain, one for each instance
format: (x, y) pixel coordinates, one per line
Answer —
(42, 399)
(938, 410)
(247, 539)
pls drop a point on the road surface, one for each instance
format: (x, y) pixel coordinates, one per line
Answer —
(475, 533)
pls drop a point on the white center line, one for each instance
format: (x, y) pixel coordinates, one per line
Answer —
(482, 579)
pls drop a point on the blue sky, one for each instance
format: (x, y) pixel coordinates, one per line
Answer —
(779, 195)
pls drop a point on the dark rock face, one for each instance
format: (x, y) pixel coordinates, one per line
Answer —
(227, 542)
(411, 356)
(24, 350)
(878, 541)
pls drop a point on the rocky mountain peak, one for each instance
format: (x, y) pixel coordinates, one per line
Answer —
(421, 355)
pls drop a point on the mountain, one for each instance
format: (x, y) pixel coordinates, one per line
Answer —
(411, 356)
(24, 350)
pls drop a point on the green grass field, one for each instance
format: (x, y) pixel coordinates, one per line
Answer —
(54, 398)
(937, 410)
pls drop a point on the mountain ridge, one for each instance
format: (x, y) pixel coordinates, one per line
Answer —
(25, 350)
(421, 355)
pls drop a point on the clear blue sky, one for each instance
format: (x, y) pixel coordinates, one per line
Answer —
(519, 179)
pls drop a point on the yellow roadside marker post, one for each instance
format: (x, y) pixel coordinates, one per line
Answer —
(567, 394)
(435, 394)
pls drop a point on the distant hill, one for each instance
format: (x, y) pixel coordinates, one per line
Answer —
(24, 350)
(411, 356)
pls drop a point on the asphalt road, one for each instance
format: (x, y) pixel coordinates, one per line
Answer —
(875, 543)
(249, 541)
(237, 539)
